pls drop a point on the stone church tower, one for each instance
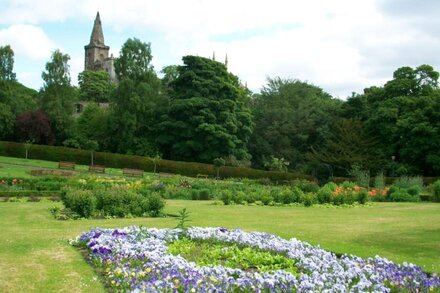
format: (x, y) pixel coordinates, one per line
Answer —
(96, 52)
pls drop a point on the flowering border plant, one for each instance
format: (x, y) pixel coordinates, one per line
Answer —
(136, 259)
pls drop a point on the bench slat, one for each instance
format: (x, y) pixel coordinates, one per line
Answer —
(133, 172)
(66, 165)
(97, 168)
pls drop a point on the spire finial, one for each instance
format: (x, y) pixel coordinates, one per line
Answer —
(226, 60)
(213, 56)
(97, 37)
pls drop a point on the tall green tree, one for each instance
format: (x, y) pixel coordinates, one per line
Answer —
(290, 117)
(404, 115)
(6, 63)
(137, 102)
(347, 145)
(95, 86)
(7, 121)
(18, 97)
(57, 95)
(208, 116)
(134, 61)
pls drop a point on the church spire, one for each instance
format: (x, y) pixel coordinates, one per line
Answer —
(97, 37)
(226, 61)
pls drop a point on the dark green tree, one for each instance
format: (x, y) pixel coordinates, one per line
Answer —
(208, 116)
(6, 63)
(19, 98)
(290, 117)
(137, 102)
(57, 95)
(403, 114)
(349, 144)
(134, 61)
(7, 121)
(95, 86)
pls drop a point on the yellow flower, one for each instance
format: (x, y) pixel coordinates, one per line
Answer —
(147, 270)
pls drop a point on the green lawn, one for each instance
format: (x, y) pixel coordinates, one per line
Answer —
(35, 255)
(20, 167)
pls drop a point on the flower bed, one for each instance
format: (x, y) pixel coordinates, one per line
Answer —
(137, 259)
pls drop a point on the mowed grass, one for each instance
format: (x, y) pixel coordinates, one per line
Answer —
(21, 167)
(36, 257)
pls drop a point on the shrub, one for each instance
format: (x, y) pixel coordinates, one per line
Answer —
(414, 190)
(266, 199)
(306, 185)
(287, 196)
(155, 204)
(407, 182)
(82, 202)
(324, 194)
(379, 181)
(362, 196)
(436, 191)
(204, 194)
(348, 185)
(239, 196)
(308, 199)
(402, 195)
(194, 194)
(226, 196)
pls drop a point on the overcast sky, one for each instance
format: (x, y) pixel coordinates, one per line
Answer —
(341, 46)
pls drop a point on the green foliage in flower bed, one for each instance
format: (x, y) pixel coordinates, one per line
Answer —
(211, 252)
(112, 202)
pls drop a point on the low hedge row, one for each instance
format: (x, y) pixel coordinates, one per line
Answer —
(56, 154)
(388, 180)
(29, 193)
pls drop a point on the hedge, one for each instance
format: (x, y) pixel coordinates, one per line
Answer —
(388, 180)
(29, 193)
(83, 157)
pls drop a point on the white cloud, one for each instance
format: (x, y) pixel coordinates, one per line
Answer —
(27, 41)
(340, 45)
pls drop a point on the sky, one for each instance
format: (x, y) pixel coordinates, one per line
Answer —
(342, 46)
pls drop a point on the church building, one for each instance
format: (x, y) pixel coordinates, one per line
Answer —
(97, 53)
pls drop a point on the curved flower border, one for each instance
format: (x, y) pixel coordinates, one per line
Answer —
(135, 259)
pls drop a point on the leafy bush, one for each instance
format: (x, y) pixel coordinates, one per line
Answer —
(414, 190)
(401, 195)
(114, 202)
(226, 196)
(324, 194)
(362, 196)
(308, 199)
(379, 181)
(205, 194)
(82, 202)
(306, 185)
(155, 205)
(407, 182)
(436, 191)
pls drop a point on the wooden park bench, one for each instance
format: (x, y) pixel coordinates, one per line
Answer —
(66, 165)
(97, 168)
(133, 172)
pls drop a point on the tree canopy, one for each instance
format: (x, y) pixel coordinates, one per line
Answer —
(208, 116)
(6, 63)
(95, 86)
(290, 116)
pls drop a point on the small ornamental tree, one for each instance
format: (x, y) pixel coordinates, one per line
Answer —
(218, 162)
